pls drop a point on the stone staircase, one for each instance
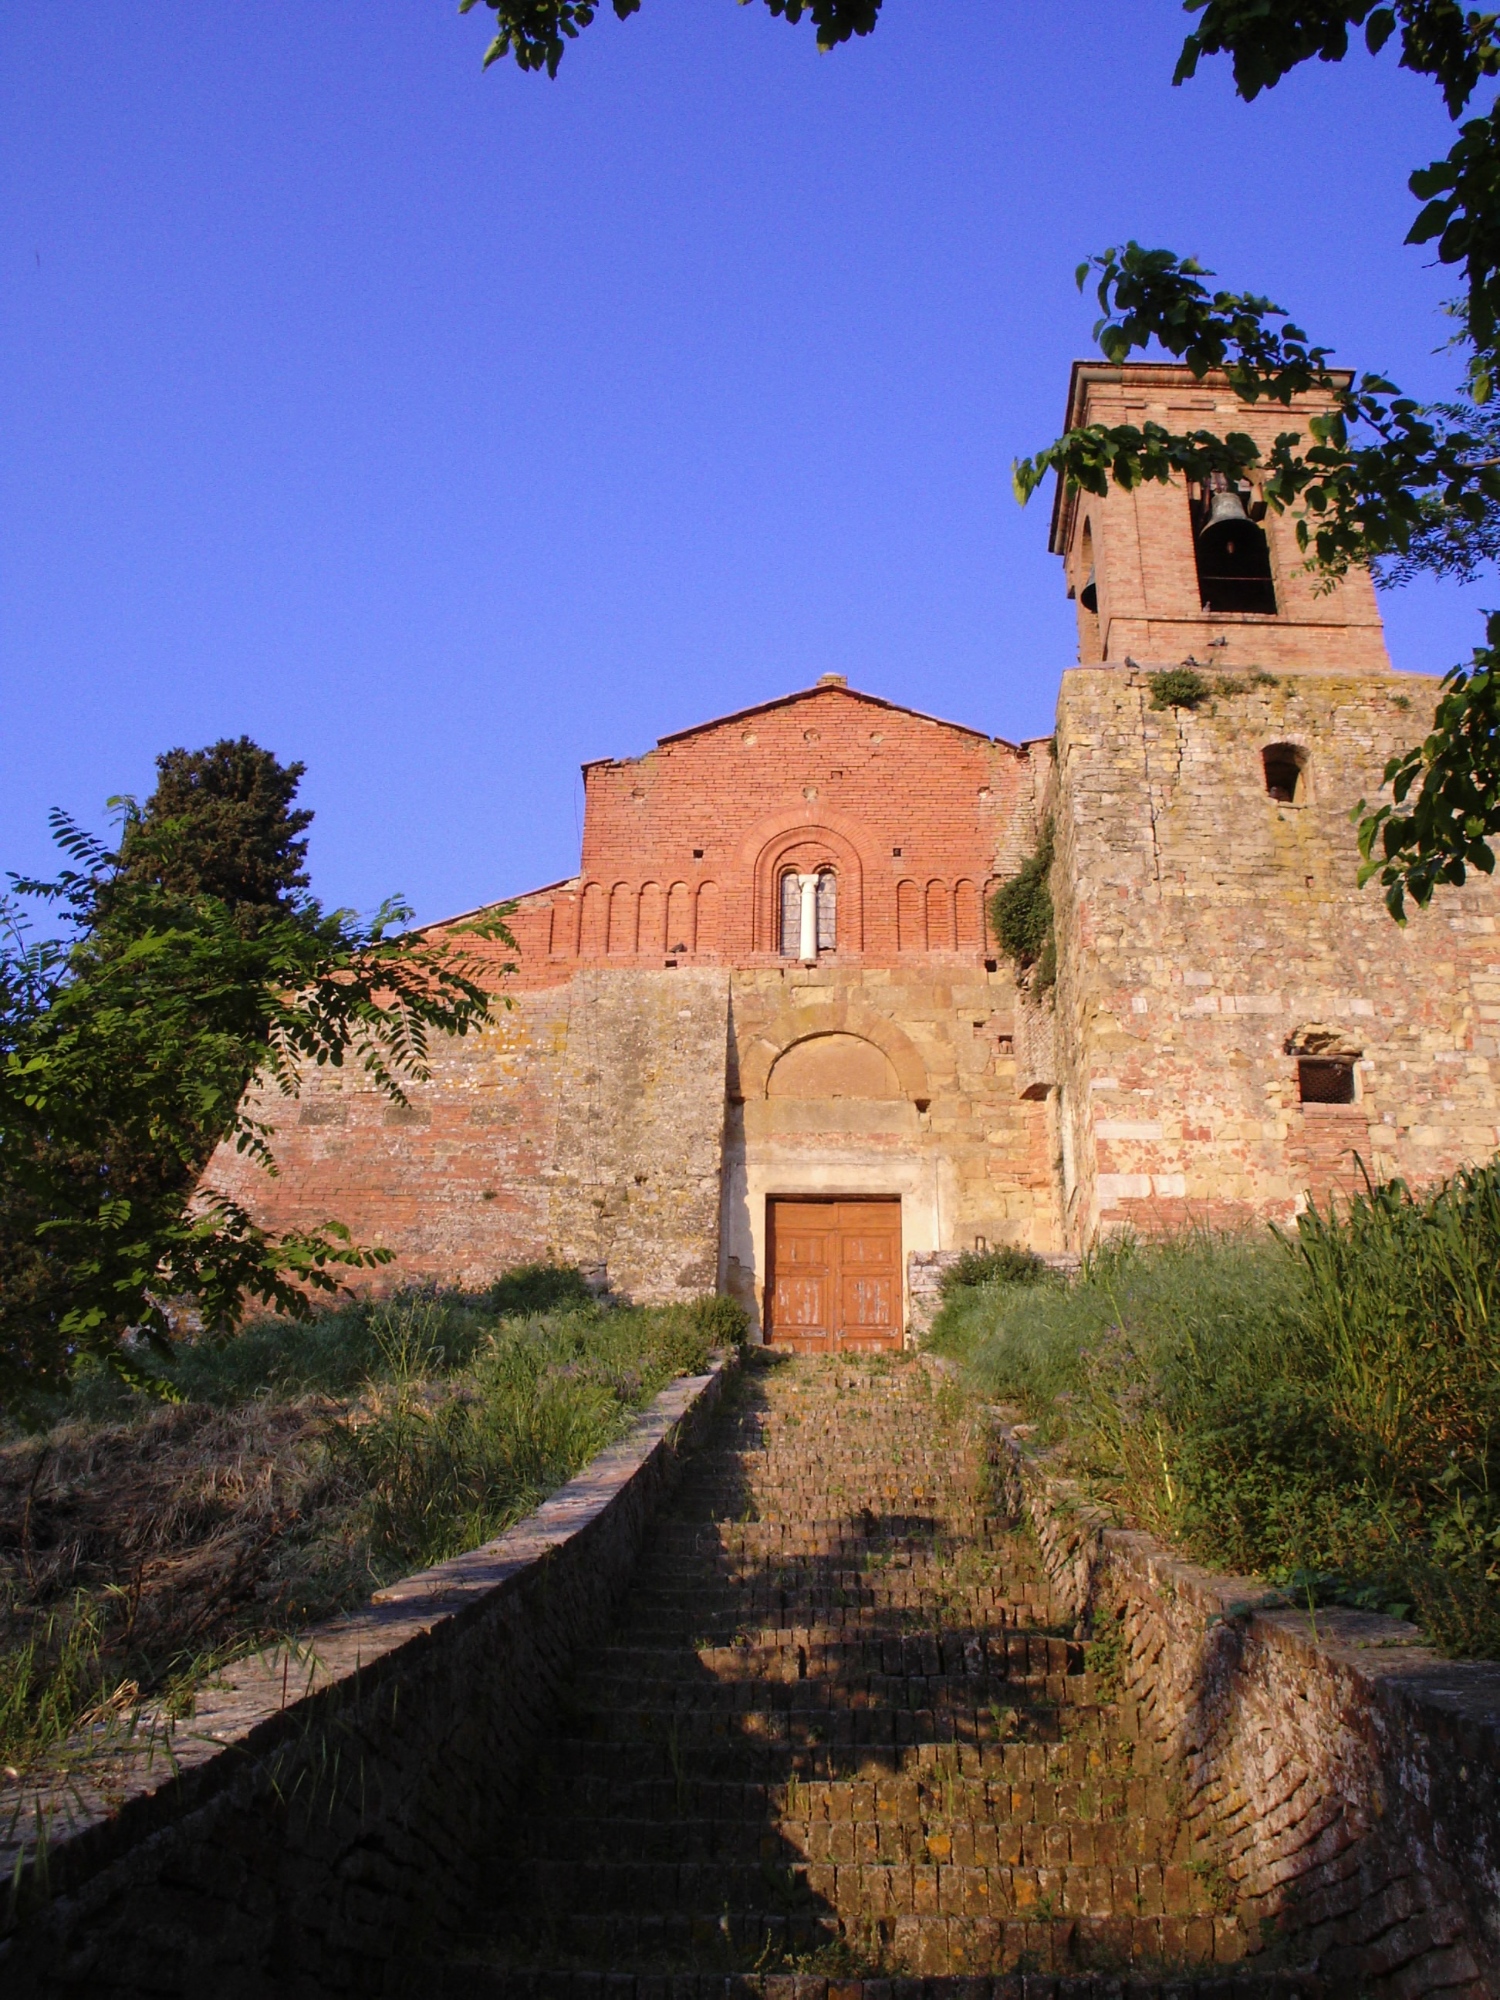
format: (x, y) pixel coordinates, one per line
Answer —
(838, 1749)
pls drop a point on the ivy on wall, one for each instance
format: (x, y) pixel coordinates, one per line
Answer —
(1021, 917)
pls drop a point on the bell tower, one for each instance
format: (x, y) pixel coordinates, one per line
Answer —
(1167, 573)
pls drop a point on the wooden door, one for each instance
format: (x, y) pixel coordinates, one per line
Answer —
(835, 1274)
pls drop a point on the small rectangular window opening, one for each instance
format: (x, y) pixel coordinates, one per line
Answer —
(1320, 1081)
(1284, 765)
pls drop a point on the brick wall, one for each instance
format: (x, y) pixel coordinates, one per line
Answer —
(327, 1807)
(586, 1125)
(683, 847)
(1140, 545)
(1346, 1778)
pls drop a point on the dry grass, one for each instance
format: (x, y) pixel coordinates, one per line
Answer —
(144, 1544)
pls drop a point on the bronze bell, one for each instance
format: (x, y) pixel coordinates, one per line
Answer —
(1088, 597)
(1227, 524)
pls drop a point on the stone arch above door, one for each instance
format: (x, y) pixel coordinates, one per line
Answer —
(833, 1065)
(839, 1017)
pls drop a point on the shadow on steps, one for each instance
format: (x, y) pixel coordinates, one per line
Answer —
(834, 1749)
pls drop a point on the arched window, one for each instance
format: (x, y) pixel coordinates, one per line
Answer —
(970, 928)
(651, 935)
(791, 914)
(622, 918)
(594, 921)
(939, 917)
(828, 910)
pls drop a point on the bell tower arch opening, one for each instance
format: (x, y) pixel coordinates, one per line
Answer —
(1230, 550)
(1160, 569)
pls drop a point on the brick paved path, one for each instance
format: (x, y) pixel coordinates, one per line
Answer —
(837, 1735)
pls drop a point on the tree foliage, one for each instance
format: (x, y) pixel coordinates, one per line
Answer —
(221, 823)
(125, 1051)
(536, 32)
(1452, 781)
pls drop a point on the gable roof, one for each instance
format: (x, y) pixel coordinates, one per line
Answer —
(827, 684)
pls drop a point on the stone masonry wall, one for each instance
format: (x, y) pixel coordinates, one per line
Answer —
(1202, 924)
(586, 1125)
(1346, 1777)
(328, 1807)
(953, 1136)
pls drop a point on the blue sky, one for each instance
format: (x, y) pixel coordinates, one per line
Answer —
(444, 428)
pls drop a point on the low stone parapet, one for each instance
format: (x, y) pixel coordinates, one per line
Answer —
(330, 1802)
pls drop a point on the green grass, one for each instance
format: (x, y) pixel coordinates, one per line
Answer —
(445, 1467)
(302, 1464)
(1323, 1410)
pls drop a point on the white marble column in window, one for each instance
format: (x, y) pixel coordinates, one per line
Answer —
(809, 887)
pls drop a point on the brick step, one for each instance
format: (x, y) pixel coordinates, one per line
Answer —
(817, 1533)
(762, 1490)
(871, 1558)
(787, 1693)
(766, 1597)
(962, 1843)
(466, 1980)
(888, 1608)
(735, 1759)
(693, 1941)
(695, 1727)
(938, 1579)
(772, 1540)
(1033, 1793)
(901, 1606)
(929, 1656)
(763, 1513)
(812, 1570)
(855, 1889)
(690, 1623)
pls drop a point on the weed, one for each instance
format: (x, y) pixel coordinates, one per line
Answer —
(1003, 1265)
(54, 1682)
(1021, 914)
(1104, 1657)
(1178, 687)
(1209, 1872)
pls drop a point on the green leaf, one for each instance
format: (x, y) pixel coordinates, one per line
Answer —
(1379, 29)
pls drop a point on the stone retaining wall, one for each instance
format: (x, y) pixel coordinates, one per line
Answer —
(1347, 1776)
(326, 1808)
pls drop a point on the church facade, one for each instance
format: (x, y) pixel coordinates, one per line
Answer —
(763, 1040)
